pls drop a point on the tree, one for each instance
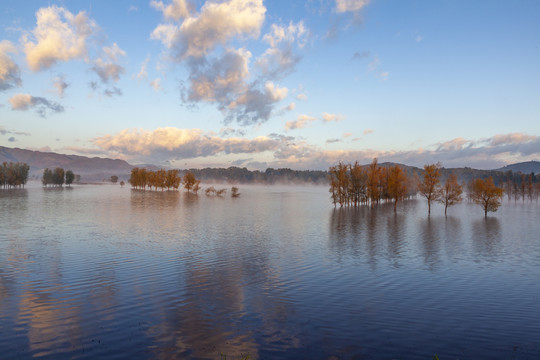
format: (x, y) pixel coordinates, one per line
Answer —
(486, 194)
(397, 184)
(47, 177)
(114, 179)
(69, 177)
(430, 186)
(234, 192)
(190, 182)
(122, 183)
(58, 176)
(451, 192)
(373, 180)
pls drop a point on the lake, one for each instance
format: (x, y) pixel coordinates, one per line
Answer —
(109, 272)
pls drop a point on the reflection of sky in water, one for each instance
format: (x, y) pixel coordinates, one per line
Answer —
(101, 271)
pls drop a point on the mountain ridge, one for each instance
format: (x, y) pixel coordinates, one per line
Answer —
(98, 169)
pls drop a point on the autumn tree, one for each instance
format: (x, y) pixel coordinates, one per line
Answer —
(190, 182)
(486, 194)
(69, 177)
(373, 178)
(451, 192)
(357, 184)
(430, 187)
(339, 183)
(396, 184)
(13, 174)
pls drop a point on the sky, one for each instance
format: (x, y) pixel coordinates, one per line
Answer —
(258, 84)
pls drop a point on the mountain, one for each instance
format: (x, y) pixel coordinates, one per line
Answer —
(90, 169)
(98, 169)
(523, 167)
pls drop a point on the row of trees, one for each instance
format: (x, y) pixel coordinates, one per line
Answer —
(13, 175)
(526, 187)
(353, 185)
(57, 177)
(142, 178)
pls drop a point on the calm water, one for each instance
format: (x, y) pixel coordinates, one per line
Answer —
(109, 272)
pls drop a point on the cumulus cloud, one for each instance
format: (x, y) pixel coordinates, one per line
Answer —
(301, 122)
(177, 10)
(219, 80)
(332, 117)
(280, 58)
(350, 5)
(287, 151)
(60, 85)
(9, 70)
(58, 36)
(220, 74)
(106, 66)
(256, 104)
(181, 143)
(24, 102)
(215, 24)
(301, 97)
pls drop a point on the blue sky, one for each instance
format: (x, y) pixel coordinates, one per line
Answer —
(273, 84)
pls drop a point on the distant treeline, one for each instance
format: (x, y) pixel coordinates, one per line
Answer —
(270, 176)
(13, 174)
(57, 177)
(273, 176)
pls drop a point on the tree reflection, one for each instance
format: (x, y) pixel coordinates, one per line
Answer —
(430, 232)
(486, 236)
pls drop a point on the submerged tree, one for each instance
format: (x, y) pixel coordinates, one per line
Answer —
(14, 174)
(234, 192)
(191, 183)
(396, 184)
(451, 192)
(430, 187)
(69, 177)
(486, 194)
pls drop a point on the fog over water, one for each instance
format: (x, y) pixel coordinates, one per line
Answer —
(110, 272)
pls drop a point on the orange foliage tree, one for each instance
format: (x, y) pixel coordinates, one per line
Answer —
(486, 194)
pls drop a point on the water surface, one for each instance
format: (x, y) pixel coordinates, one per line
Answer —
(109, 272)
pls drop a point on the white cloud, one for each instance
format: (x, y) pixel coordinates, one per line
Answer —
(106, 66)
(368, 131)
(350, 5)
(301, 97)
(418, 38)
(9, 70)
(58, 36)
(24, 102)
(332, 117)
(181, 143)
(220, 80)
(216, 24)
(280, 58)
(177, 10)
(301, 122)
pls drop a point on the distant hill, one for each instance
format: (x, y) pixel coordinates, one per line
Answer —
(98, 169)
(523, 167)
(90, 169)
